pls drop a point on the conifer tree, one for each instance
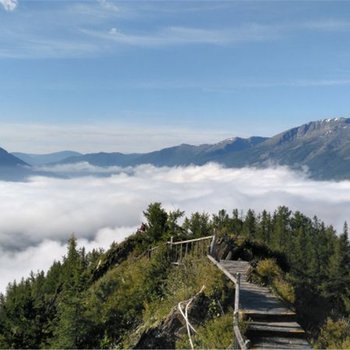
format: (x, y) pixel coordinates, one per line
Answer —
(249, 224)
(198, 225)
(339, 273)
(157, 220)
(71, 328)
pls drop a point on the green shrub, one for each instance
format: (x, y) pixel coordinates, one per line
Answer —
(268, 270)
(215, 334)
(268, 273)
(182, 283)
(334, 335)
(284, 289)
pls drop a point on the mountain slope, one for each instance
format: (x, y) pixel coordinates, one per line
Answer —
(172, 156)
(41, 159)
(103, 159)
(8, 160)
(12, 168)
(322, 146)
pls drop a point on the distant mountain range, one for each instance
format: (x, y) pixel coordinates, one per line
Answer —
(9, 160)
(321, 147)
(42, 159)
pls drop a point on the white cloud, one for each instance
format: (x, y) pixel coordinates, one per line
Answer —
(9, 5)
(247, 32)
(83, 168)
(15, 265)
(37, 216)
(108, 5)
(176, 35)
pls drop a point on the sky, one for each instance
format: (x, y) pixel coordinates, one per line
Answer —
(104, 75)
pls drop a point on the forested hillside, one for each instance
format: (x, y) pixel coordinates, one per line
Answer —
(126, 297)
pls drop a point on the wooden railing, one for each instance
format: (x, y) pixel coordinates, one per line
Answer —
(206, 246)
(148, 253)
(197, 247)
(238, 341)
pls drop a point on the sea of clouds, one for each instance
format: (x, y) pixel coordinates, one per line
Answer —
(104, 205)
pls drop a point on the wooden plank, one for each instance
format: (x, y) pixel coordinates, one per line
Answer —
(249, 312)
(287, 327)
(279, 343)
(191, 240)
(275, 325)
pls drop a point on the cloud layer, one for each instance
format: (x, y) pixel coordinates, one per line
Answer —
(38, 217)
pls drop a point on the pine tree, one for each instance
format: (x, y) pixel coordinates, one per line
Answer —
(339, 274)
(198, 225)
(249, 224)
(281, 238)
(157, 220)
(71, 329)
(264, 227)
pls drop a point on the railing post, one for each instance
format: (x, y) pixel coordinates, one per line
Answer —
(170, 250)
(237, 288)
(212, 246)
(235, 340)
(236, 310)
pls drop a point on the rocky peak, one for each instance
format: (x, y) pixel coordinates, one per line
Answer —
(320, 128)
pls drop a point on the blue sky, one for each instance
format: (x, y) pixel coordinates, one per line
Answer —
(139, 75)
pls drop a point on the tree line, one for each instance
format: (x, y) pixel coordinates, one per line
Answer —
(97, 299)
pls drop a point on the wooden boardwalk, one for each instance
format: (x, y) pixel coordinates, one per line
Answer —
(271, 324)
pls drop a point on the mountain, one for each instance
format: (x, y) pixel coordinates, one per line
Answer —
(103, 159)
(172, 156)
(8, 160)
(41, 159)
(12, 168)
(322, 147)
(188, 154)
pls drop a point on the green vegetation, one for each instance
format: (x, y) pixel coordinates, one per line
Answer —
(268, 273)
(215, 334)
(127, 296)
(335, 335)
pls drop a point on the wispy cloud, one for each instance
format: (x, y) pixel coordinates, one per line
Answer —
(174, 35)
(108, 5)
(288, 83)
(327, 25)
(231, 86)
(99, 28)
(9, 5)
(245, 33)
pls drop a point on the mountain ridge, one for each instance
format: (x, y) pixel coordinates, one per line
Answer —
(9, 160)
(41, 159)
(322, 147)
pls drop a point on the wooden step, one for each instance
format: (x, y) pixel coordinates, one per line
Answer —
(271, 324)
(275, 329)
(255, 315)
(278, 343)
